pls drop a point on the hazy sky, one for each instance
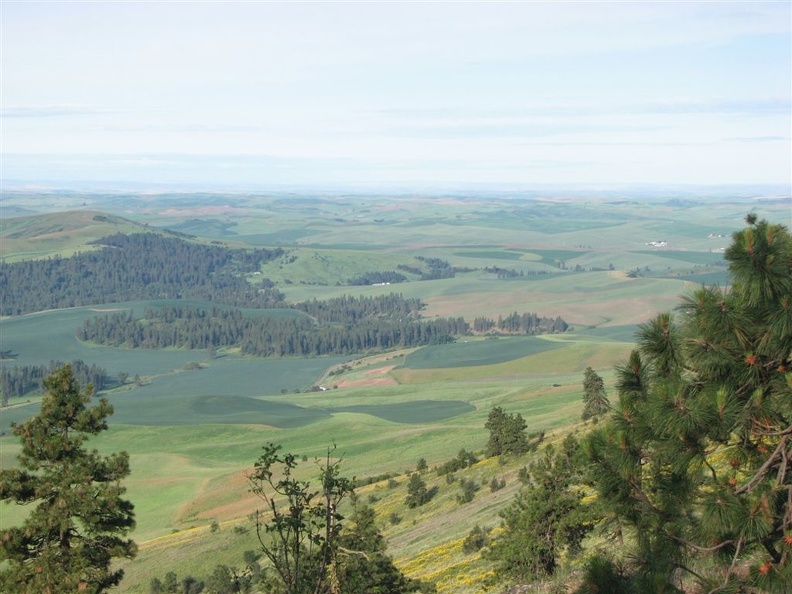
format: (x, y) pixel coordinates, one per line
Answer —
(375, 92)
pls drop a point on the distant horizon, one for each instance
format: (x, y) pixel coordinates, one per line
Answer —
(266, 94)
(770, 191)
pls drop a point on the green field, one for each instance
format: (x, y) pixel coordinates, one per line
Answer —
(480, 352)
(192, 433)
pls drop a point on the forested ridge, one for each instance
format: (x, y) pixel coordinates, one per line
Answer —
(137, 266)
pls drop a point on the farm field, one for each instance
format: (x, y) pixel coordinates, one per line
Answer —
(195, 423)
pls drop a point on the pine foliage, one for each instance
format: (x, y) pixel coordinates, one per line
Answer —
(80, 519)
(546, 519)
(697, 454)
(507, 433)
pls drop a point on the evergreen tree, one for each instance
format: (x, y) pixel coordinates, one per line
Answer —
(69, 539)
(507, 433)
(595, 401)
(222, 581)
(363, 566)
(697, 454)
(417, 493)
(546, 518)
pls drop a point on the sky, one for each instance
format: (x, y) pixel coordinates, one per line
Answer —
(259, 94)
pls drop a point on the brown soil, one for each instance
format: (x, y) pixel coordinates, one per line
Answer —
(374, 377)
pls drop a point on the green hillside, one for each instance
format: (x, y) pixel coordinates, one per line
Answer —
(64, 233)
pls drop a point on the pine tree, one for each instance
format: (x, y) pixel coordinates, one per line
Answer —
(546, 518)
(697, 454)
(417, 493)
(363, 566)
(77, 527)
(595, 401)
(507, 433)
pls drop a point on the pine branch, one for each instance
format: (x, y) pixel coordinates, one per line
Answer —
(764, 468)
(699, 548)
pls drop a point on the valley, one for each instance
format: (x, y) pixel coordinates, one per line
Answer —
(193, 420)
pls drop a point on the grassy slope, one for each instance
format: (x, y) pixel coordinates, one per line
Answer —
(41, 236)
(185, 477)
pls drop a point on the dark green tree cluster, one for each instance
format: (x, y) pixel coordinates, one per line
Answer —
(506, 433)
(595, 400)
(469, 489)
(505, 273)
(418, 493)
(546, 518)
(222, 580)
(348, 309)
(696, 457)
(526, 323)
(464, 459)
(377, 278)
(477, 539)
(432, 269)
(342, 325)
(137, 266)
(435, 268)
(171, 584)
(80, 518)
(265, 336)
(19, 380)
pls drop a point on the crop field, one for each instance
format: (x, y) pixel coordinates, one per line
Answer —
(478, 352)
(194, 424)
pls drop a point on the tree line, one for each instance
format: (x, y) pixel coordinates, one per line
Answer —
(348, 309)
(376, 277)
(137, 266)
(515, 323)
(19, 380)
(264, 336)
(435, 269)
(504, 273)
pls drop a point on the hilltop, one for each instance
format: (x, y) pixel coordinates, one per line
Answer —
(61, 233)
